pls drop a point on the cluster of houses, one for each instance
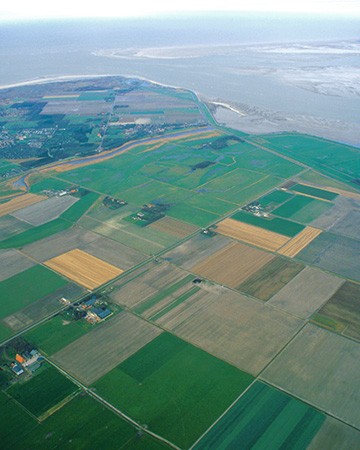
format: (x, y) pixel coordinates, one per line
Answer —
(27, 361)
(95, 313)
(256, 209)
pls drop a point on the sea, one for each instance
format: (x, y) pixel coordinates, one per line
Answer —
(277, 72)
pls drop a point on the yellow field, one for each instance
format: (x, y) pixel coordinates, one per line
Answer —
(302, 240)
(83, 268)
(251, 234)
(20, 202)
(232, 264)
(174, 227)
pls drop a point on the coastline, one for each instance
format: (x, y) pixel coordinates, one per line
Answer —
(256, 121)
(46, 80)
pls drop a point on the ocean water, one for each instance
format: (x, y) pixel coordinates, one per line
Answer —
(298, 72)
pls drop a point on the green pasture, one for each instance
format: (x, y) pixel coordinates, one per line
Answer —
(176, 389)
(40, 183)
(336, 160)
(316, 178)
(57, 333)
(26, 287)
(15, 422)
(302, 209)
(274, 199)
(43, 391)
(5, 333)
(320, 193)
(277, 225)
(264, 419)
(265, 162)
(35, 234)
(82, 424)
(190, 214)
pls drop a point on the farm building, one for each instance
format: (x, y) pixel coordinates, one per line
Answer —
(33, 367)
(17, 369)
(19, 359)
(101, 313)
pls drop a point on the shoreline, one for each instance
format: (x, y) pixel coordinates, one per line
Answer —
(200, 97)
(59, 78)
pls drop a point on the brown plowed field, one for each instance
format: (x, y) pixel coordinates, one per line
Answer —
(174, 227)
(83, 268)
(96, 353)
(20, 202)
(251, 234)
(232, 264)
(302, 240)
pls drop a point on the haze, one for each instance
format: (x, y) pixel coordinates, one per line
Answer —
(41, 9)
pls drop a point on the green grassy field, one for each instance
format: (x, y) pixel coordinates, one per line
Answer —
(4, 332)
(26, 287)
(302, 209)
(56, 333)
(15, 422)
(81, 424)
(43, 391)
(264, 419)
(39, 182)
(277, 225)
(274, 199)
(336, 160)
(320, 193)
(173, 387)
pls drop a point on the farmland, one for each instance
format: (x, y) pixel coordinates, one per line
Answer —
(342, 312)
(84, 268)
(307, 292)
(276, 225)
(299, 242)
(96, 353)
(174, 227)
(302, 209)
(26, 287)
(338, 254)
(233, 264)
(74, 422)
(336, 160)
(43, 307)
(13, 262)
(43, 391)
(323, 375)
(45, 211)
(264, 418)
(173, 387)
(225, 263)
(314, 192)
(272, 277)
(195, 250)
(56, 333)
(19, 202)
(251, 234)
(230, 326)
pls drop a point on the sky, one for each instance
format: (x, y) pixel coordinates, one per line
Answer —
(42, 9)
